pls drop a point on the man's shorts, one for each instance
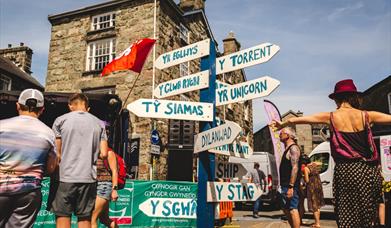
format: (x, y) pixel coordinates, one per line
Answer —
(104, 189)
(77, 198)
(292, 203)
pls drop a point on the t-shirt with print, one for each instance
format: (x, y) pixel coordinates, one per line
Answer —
(25, 143)
(81, 134)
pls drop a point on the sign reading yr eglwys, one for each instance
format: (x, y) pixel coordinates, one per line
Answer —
(183, 85)
(232, 191)
(167, 109)
(221, 135)
(245, 58)
(184, 54)
(256, 88)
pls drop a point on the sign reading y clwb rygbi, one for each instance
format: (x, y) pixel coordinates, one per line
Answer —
(218, 136)
(256, 88)
(143, 204)
(168, 109)
(232, 191)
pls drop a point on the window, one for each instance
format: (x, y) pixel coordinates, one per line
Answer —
(322, 159)
(103, 21)
(99, 53)
(315, 131)
(389, 102)
(104, 90)
(5, 83)
(246, 112)
(184, 33)
(184, 69)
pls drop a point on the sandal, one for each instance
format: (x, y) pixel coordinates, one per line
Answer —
(315, 226)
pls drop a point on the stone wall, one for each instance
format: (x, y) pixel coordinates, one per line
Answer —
(21, 56)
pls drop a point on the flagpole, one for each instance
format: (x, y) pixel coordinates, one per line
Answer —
(154, 48)
(131, 89)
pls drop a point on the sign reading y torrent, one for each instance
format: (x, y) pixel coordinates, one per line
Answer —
(245, 58)
(232, 191)
(218, 136)
(256, 88)
(168, 109)
(184, 54)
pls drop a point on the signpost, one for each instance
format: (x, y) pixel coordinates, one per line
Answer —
(184, 54)
(229, 170)
(218, 136)
(245, 58)
(235, 149)
(256, 88)
(183, 85)
(168, 109)
(232, 191)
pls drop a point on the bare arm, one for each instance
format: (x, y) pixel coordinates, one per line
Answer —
(103, 149)
(306, 175)
(322, 117)
(58, 146)
(379, 118)
(294, 153)
(112, 160)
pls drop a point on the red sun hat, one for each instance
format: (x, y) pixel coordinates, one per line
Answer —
(344, 86)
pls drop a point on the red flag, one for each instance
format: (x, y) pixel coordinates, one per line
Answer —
(132, 58)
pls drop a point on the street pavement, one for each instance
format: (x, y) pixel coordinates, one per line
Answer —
(272, 219)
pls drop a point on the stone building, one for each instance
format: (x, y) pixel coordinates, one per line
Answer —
(84, 40)
(15, 69)
(308, 136)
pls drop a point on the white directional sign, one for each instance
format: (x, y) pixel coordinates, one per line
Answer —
(221, 135)
(167, 109)
(236, 149)
(169, 208)
(229, 170)
(231, 191)
(220, 84)
(183, 85)
(245, 58)
(184, 54)
(256, 88)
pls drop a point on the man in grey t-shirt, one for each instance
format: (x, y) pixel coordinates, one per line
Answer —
(257, 177)
(80, 139)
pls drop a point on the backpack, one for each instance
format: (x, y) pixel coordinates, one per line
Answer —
(121, 167)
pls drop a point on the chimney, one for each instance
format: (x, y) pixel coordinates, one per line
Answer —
(299, 113)
(190, 5)
(231, 45)
(20, 55)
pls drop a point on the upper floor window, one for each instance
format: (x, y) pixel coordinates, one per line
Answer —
(99, 53)
(184, 69)
(102, 90)
(103, 21)
(184, 33)
(5, 83)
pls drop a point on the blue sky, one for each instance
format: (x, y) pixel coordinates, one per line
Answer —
(321, 42)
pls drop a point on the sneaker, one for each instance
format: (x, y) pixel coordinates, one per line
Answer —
(255, 216)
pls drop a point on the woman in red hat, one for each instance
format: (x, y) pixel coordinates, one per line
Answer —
(357, 180)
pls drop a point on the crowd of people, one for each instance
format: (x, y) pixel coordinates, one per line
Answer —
(72, 153)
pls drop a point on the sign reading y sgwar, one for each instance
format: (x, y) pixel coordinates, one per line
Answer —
(245, 58)
(183, 85)
(184, 54)
(167, 109)
(256, 88)
(218, 136)
(232, 191)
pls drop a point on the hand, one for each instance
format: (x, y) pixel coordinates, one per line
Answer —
(289, 193)
(276, 125)
(114, 195)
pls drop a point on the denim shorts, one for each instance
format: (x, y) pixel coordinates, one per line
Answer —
(104, 190)
(292, 203)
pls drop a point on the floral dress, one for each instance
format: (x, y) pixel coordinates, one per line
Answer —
(314, 189)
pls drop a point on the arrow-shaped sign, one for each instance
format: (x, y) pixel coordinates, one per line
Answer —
(184, 54)
(169, 208)
(229, 170)
(245, 58)
(231, 191)
(168, 109)
(183, 85)
(218, 136)
(236, 149)
(220, 84)
(256, 88)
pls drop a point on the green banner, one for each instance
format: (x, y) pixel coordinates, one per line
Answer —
(142, 204)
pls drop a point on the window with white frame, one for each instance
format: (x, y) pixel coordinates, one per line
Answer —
(99, 53)
(183, 33)
(103, 21)
(5, 83)
(101, 90)
(184, 69)
(246, 112)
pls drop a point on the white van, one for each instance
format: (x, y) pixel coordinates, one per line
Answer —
(322, 155)
(267, 163)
